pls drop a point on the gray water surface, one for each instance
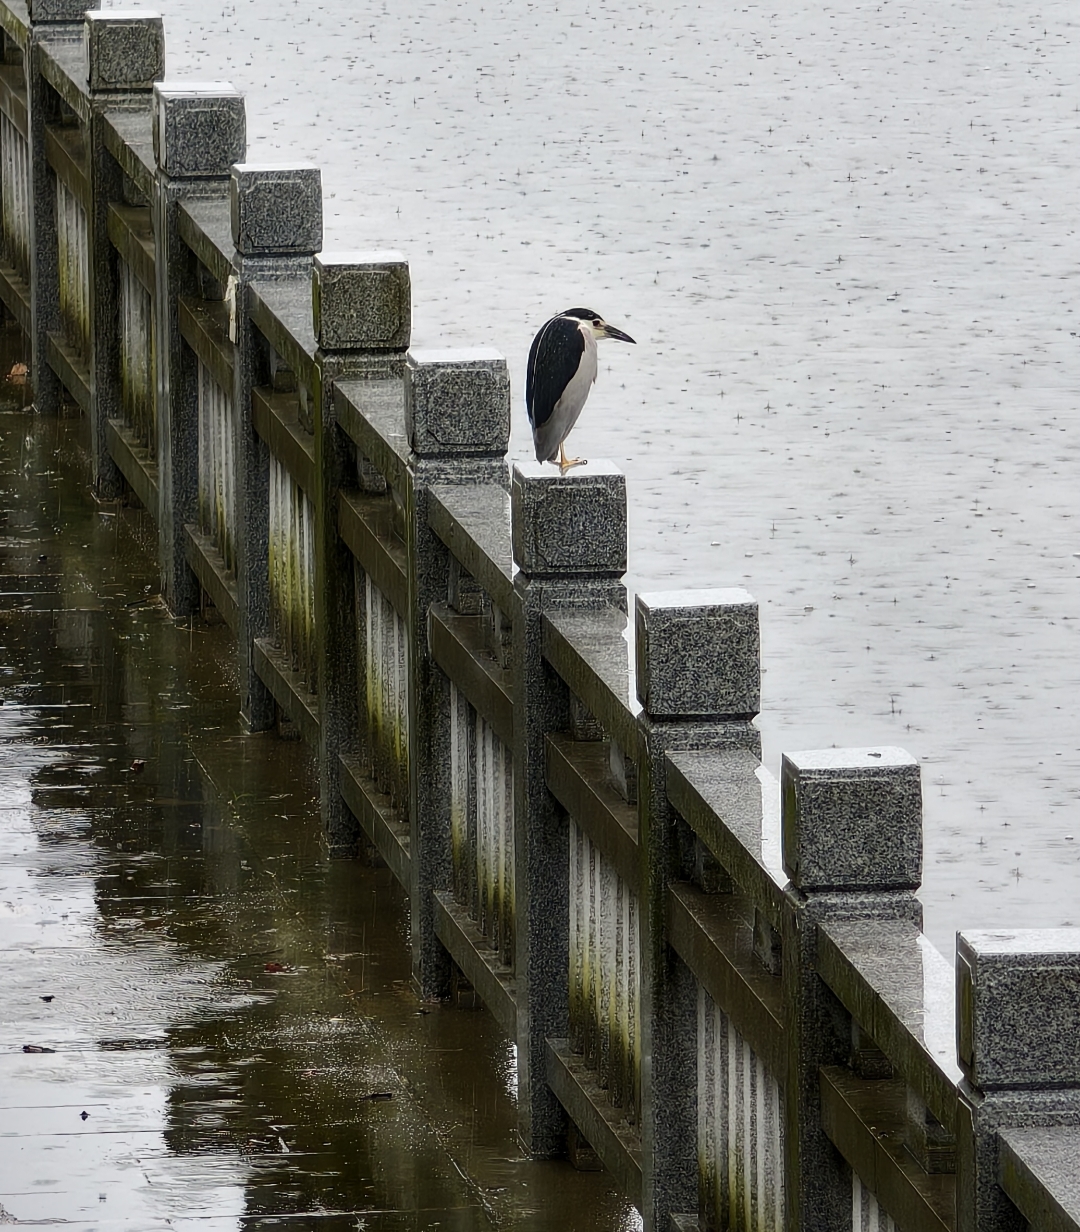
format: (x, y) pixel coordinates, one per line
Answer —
(845, 238)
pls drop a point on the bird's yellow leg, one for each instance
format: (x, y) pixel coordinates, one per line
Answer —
(566, 463)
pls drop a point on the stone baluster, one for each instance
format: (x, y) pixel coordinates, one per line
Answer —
(199, 132)
(125, 57)
(51, 21)
(698, 680)
(362, 306)
(277, 227)
(852, 843)
(569, 538)
(457, 418)
(1018, 1027)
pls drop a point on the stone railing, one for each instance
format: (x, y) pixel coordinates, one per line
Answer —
(717, 983)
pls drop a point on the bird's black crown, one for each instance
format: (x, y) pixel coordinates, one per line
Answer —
(582, 314)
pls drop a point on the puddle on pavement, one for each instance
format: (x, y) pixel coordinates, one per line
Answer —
(232, 1039)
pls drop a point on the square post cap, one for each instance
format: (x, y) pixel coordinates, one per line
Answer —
(852, 819)
(569, 523)
(125, 49)
(698, 654)
(41, 11)
(457, 402)
(1018, 1007)
(362, 301)
(276, 209)
(200, 128)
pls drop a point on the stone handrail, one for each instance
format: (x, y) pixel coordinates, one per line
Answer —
(474, 523)
(1037, 1168)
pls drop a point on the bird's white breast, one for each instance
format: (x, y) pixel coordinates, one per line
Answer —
(568, 408)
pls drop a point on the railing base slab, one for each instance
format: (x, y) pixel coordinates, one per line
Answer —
(469, 948)
(378, 818)
(607, 1130)
(287, 689)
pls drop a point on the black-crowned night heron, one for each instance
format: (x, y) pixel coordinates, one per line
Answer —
(562, 368)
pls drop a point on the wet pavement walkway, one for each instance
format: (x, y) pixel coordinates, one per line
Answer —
(205, 1023)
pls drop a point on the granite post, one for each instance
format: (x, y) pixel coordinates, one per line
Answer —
(52, 21)
(457, 418)
(199, 132)
(125, 56)
(852, 844)
(15, 243)
(698, 680)
(277, 226)
(362, 313)
(569, 540)
(1017, 1027)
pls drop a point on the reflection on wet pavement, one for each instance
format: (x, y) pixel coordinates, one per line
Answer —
(205, 1023)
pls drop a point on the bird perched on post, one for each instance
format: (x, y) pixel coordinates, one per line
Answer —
(562, 368)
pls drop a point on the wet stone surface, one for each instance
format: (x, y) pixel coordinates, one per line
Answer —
(205, 1023)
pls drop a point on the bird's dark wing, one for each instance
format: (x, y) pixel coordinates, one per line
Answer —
(553, 360)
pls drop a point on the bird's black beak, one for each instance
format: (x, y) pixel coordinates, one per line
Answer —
(609, 331)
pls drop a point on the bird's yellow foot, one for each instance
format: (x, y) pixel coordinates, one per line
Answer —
(566, 463)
